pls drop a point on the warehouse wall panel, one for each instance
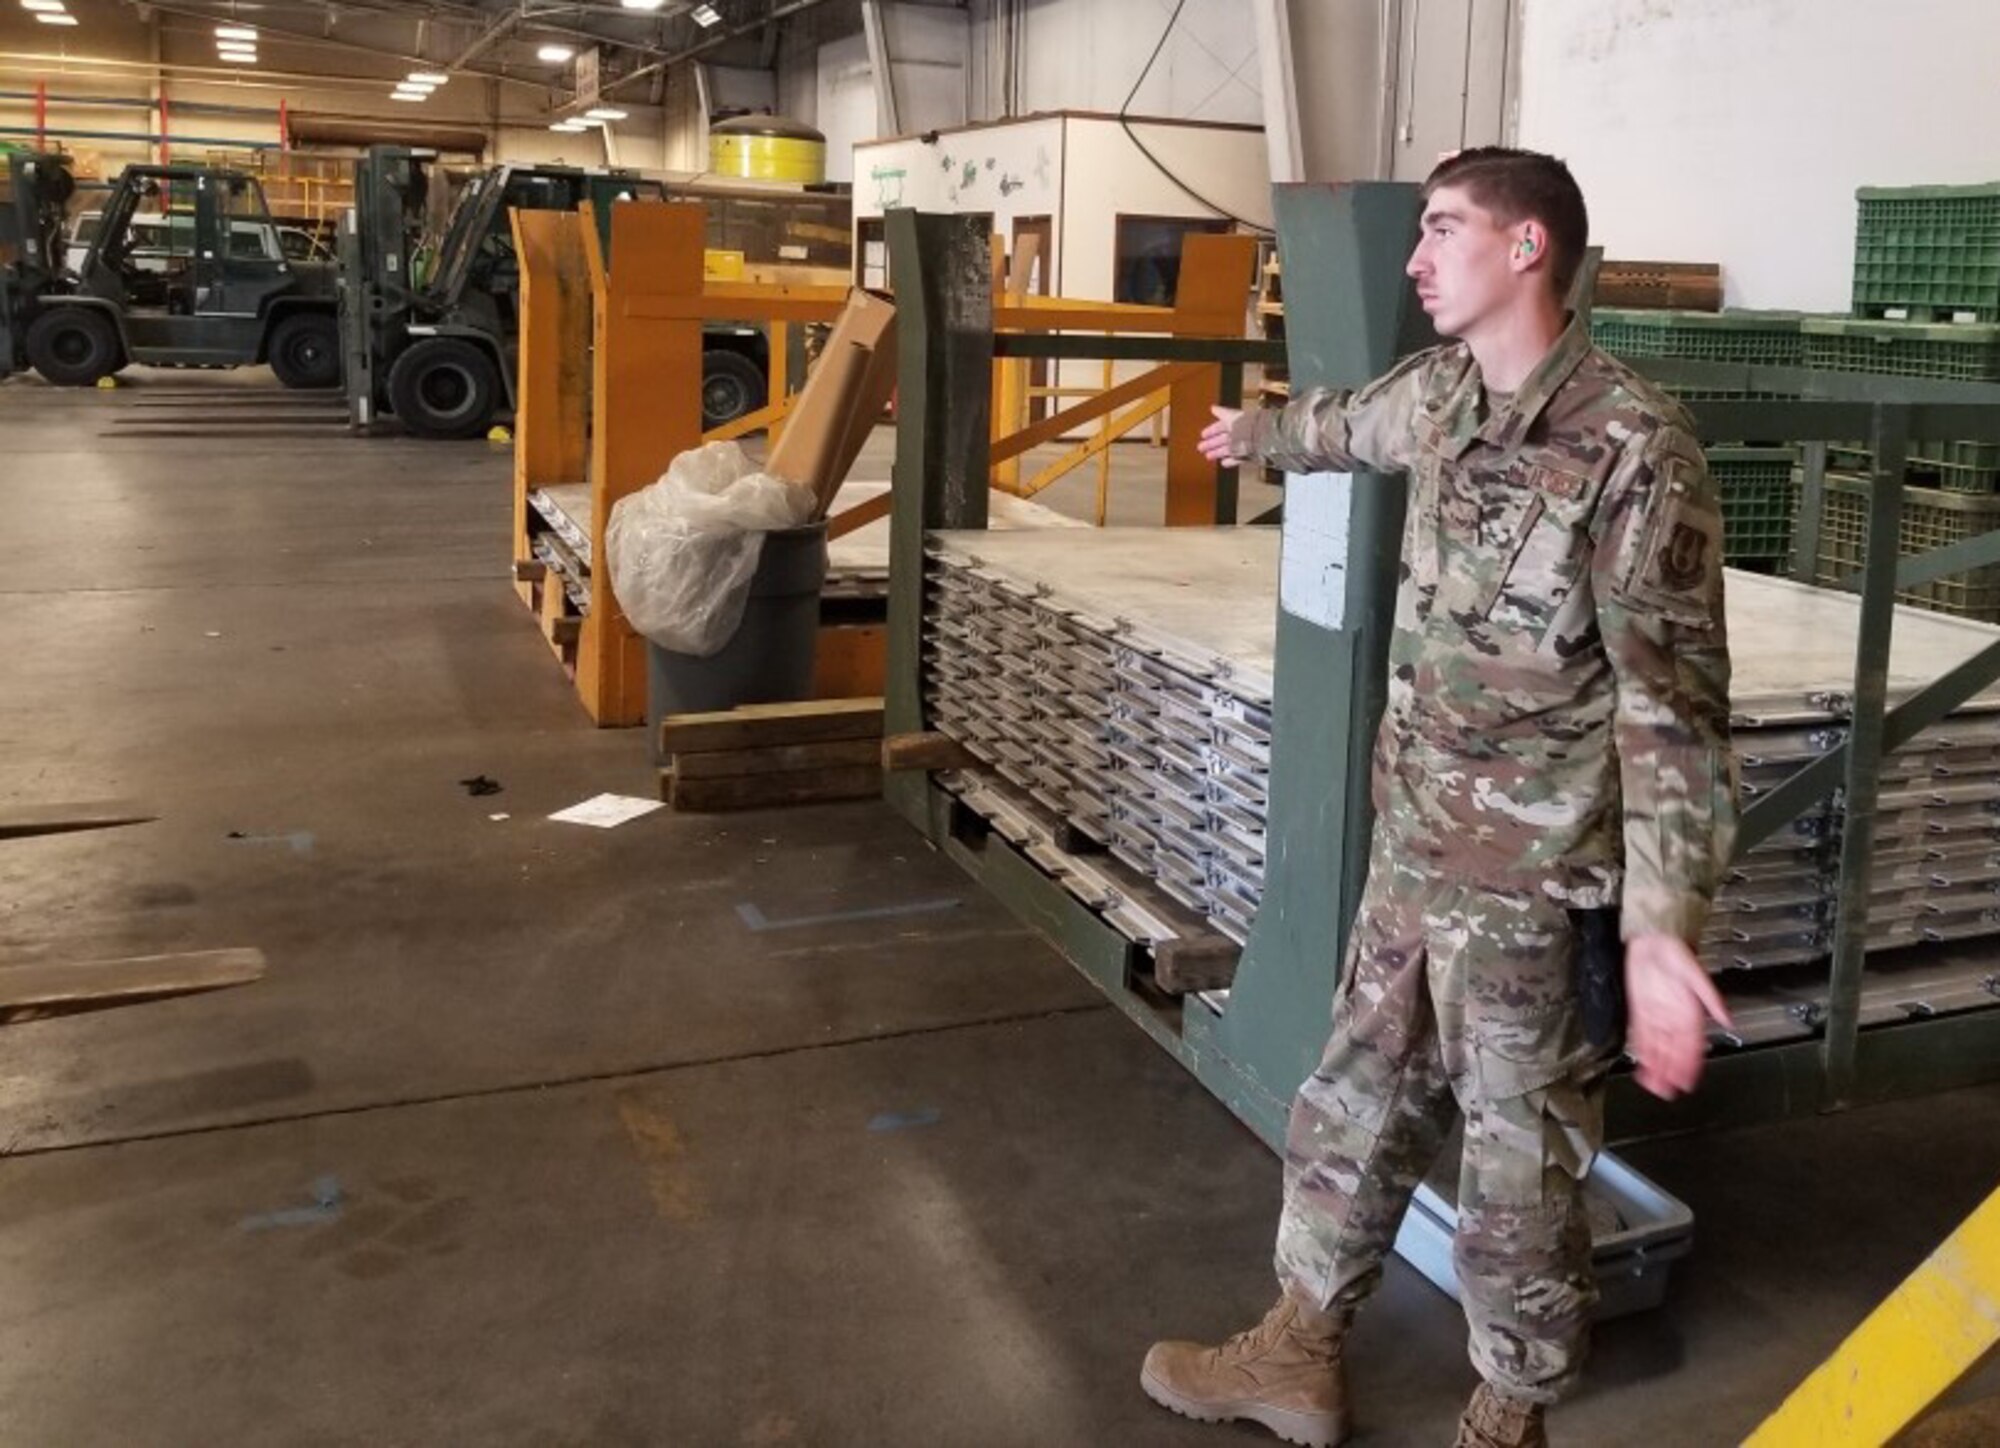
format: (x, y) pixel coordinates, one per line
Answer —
(1736, 131)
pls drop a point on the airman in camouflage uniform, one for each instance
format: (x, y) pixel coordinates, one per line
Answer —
(1555, 740)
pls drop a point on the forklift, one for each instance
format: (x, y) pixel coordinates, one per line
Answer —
(187, 270)
(34, 190)
(430, 310)
(430, 316)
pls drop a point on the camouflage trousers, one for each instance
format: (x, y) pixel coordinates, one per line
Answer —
(1455, 999)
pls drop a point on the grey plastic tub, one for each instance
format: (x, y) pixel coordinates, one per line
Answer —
(769, 660)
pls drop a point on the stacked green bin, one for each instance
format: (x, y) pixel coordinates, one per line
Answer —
(1928, 253)
(1951, 351)
(1769, 339)
(1760, 502)
(1932, 519)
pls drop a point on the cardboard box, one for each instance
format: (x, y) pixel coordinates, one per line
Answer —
(841, 401)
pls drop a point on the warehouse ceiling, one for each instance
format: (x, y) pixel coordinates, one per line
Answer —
(535, 42)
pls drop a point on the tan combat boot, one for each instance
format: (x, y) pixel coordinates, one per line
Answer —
(1284, 1373)
(1494, 1420)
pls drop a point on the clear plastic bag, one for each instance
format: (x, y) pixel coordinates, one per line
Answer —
(682, 551)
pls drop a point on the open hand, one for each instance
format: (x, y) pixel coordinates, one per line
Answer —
(1669, 1001)
(1215, 444)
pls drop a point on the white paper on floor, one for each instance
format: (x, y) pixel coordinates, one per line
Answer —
(607, 811)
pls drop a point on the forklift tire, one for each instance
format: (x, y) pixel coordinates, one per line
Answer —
(731, 385)
(74, 346)
(305, 350)
(444, 388)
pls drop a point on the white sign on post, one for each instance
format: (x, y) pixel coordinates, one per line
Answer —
(1312, 556)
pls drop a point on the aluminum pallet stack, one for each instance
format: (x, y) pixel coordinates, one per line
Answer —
(1146, 740)
(1118, 685)
(1935, 871)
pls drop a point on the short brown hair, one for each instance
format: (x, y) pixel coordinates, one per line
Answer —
(1519, 186)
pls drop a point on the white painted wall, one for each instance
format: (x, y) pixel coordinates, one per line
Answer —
(1085, 55)
(1736, 131)
(1012, 170)
(1082, 171)
(844, 110)
(1105, 175)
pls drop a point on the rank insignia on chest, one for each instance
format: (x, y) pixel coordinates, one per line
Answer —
(1565, 487)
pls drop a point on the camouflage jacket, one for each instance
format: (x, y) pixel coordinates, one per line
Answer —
(1558, 702)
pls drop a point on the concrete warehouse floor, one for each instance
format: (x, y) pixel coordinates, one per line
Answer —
(527, 1138)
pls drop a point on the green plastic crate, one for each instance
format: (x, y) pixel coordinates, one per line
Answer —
(1760, 501)
(1770, 338)
(1756, 338)
(1930, 252)
(1931, 519)
(1956, 467)
(1952, 352)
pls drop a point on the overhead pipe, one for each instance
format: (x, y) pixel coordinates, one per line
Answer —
(144, 103)
(736, 32)
(151, 138)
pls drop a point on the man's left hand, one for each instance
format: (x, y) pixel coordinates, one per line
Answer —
(1669, 1001)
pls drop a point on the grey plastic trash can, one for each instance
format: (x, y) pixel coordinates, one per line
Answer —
(770, 658)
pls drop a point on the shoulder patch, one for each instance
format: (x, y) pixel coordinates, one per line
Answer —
(1675, 571)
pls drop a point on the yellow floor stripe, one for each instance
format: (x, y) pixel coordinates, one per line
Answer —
(1928, 1334)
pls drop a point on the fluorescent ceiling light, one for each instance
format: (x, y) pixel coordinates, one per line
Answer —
(604, 113)
(642, 4)
(238, 57)
(235, 32)
(705, 15)
(247, 47)
(570, 128)
(427, 77)
(52, 6)
(407, 96)
(54, 18)
(415, 87)
(555, 54)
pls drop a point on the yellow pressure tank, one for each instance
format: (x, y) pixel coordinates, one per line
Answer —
(767, 148)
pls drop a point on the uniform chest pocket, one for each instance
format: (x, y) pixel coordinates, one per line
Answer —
(1545, 555)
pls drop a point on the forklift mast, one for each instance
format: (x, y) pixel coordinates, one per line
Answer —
(37, 188)
(443, 317)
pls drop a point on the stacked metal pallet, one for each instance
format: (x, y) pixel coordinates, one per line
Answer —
(1135, 737)
(1112, 706)
(1935, 869)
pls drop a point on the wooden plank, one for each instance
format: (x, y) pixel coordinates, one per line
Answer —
(769, 791)
(565, 631)
(858, 516)
(1196, 962)
(926, 749)
(19, 821)
(756, 726)
(31, 992)
(530, 570)
(775, 759)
